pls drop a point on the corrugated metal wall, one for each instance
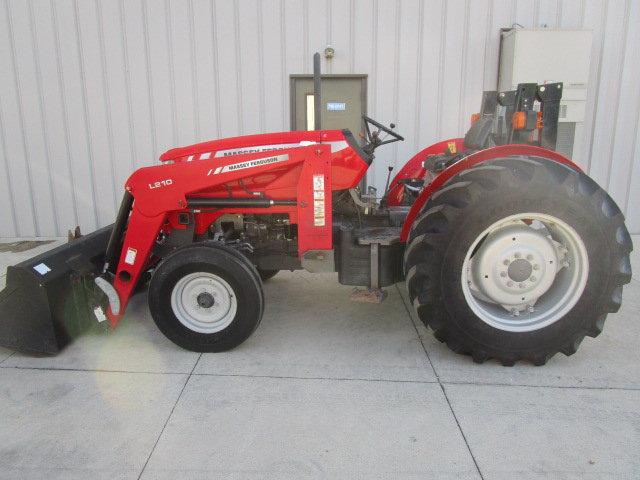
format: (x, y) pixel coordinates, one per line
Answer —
(91, 89)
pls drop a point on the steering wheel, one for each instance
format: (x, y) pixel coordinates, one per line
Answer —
(373, 136)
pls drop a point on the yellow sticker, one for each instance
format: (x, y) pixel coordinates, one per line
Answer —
(452, 147)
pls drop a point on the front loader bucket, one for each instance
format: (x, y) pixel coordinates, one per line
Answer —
(49, 299)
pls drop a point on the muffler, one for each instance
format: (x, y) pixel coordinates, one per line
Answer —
(50, 299)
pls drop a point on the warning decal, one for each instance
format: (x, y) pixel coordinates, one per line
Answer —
(318, 201)
(42, 269)
(130, 257)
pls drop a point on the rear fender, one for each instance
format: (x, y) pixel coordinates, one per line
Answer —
(414, 168)
(474, 159)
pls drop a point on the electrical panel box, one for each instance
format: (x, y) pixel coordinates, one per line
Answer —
(545, 55)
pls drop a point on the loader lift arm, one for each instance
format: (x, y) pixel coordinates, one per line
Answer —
(156, 193)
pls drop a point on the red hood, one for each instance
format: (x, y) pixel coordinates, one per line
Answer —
(250, 144)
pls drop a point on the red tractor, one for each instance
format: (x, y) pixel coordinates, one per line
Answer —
(508, 250)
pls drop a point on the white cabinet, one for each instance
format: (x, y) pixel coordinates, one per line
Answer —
(544, 55)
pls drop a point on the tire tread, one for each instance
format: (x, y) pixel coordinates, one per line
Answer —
(431, 233)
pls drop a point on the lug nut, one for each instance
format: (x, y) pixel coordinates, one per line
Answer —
(515, 312)
(532, 278)
(529, 257)
(503, 274)
(565, 264)
(517, 255)
(505, 262)
(509, 283)
(521, 285)
(536, 267)
(530, 308)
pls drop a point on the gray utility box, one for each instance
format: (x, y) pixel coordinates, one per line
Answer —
(543, 55)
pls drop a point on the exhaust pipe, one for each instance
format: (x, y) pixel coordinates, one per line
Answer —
(317, 92)
(50, 299)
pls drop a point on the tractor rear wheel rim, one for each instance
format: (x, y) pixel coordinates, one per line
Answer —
(525, 272)
(204, 302)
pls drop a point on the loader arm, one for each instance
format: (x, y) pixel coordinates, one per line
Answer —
(279, 181)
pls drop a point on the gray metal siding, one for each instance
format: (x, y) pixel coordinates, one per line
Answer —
(91, 89)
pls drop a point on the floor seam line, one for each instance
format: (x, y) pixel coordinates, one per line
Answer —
(524, 385)
(446, 397)
(415, 328)
(340, 379)
(193, 373)
(413, 323)
(93, 370)
(288, 377)
(464, 437)
(153, 449)
(5, 359)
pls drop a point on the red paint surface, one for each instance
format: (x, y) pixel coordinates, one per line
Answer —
(471, 160)
(413, 169)
(160, 192)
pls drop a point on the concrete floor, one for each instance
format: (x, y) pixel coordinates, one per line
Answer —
(325, 388)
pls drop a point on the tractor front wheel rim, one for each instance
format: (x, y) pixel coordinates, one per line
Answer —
(525, 272)
(204, 302)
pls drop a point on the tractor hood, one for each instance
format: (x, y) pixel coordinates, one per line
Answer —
(338, 139)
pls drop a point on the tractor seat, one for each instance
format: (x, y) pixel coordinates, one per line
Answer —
(477, 136)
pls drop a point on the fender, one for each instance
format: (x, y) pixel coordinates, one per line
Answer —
(414, 169)
(474, 159)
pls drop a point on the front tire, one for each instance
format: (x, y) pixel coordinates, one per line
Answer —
(472, 252)
(206, 298)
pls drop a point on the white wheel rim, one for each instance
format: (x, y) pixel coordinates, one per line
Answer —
(204, 302)
(525, 272)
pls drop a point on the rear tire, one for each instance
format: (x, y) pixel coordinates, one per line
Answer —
(441, 243)
(206, 298)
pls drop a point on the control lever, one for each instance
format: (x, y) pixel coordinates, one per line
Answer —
(386, 186)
